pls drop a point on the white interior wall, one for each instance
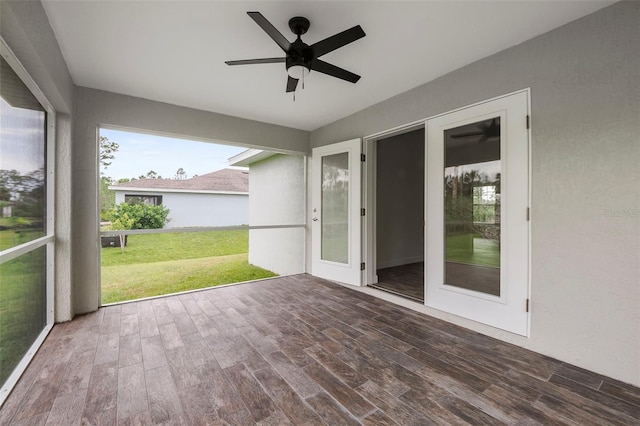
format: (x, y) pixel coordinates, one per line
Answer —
(400, 199)
(585, 242)
(277, 197)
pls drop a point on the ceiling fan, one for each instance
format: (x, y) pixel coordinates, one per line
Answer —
(300, 58)
(485, 131)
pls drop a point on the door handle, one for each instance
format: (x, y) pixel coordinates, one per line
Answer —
(315, 219)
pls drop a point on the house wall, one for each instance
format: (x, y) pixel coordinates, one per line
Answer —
(25, 28)
(400, 199)
(277, 197)
(200, 209)
(585, 226)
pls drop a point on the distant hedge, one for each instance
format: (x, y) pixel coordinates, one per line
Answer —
(144, 216)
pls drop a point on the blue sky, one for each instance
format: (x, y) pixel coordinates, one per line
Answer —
(140, 153)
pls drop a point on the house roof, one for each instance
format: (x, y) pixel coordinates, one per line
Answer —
(250, 156)
(225, 180)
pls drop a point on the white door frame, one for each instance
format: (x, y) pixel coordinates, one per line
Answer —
(349, 272)
(509, 310)
(369, 190)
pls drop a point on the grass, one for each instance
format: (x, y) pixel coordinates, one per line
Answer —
(22, 307)
(128, 282)
(184, 245)
(11, 238)
(476, 251)
(156, 264)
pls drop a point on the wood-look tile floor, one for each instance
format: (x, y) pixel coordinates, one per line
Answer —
(302, 351)
(404, 280)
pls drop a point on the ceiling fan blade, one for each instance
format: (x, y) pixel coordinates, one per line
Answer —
(270, 30)
(334, 71)
(292, 83)
(256, 61)
(334, 42)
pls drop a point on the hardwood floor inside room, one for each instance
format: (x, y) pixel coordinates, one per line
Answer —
(404, 280)
(297, 350)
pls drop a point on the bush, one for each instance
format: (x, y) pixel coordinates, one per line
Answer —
(143, 216)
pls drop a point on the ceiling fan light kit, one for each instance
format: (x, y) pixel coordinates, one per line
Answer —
(302, 58)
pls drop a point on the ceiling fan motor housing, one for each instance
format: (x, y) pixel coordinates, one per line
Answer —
(299, 54)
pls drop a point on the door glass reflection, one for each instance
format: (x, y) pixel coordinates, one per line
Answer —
(22, 162)
(472, 206)
(335, 208)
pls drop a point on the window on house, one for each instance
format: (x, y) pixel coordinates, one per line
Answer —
(484, 204)
(150, 200)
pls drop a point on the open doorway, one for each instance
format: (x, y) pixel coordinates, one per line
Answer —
(399, 214)
(165, 232)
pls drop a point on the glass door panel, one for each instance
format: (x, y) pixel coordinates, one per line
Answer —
(335, 213)
(335, 208)
(477, 229)
(26, 244)
(472, 171)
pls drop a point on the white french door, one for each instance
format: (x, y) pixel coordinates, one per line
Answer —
(335, 212)
(477, 198)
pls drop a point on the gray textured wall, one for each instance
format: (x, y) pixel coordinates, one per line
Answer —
(585, 243)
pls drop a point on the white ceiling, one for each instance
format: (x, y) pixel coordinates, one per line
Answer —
(174, 51)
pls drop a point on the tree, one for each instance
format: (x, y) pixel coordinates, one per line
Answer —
(25, 191)
(151, 174)
(122, 223)
(181, 174)
(107, 197)
(107, 151)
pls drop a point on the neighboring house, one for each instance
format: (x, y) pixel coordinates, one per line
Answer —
(216, 199)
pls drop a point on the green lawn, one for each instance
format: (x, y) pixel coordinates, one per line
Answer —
(476, 251)
(12, 238)
(128, 282)
(22, 307)
(156, 264)
(22, 294)
(184, 245)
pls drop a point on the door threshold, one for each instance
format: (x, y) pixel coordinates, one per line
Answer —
(396, 293)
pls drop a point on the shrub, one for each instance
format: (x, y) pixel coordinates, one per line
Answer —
(143, 216)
